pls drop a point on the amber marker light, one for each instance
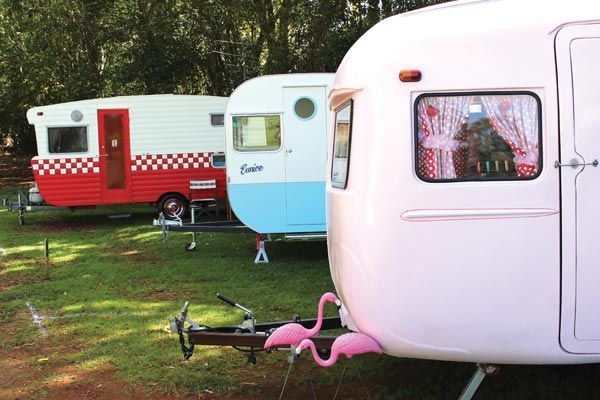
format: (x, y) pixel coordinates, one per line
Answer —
(410, 75)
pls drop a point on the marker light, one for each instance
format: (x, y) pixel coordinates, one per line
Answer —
(410, 75)
(40, 113)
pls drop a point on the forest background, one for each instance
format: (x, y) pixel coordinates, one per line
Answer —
(53, 51)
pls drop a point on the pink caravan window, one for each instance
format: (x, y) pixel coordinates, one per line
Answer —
(515, 118)
(478, 136)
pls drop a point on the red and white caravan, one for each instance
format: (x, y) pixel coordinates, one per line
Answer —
(130, 150)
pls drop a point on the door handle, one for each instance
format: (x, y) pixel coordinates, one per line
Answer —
(289, 151)
(574, 164)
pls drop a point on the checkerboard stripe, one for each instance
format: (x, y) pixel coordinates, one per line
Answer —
(160, 162)
(64, 166)
(146, 162)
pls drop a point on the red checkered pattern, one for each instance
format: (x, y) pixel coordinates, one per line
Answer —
(157, 162)
(63, 166)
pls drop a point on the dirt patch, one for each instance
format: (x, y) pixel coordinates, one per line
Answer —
(57, 225)
(38, 371)
(167, 295)
(10, 281)
(15, 171)
(140, 257)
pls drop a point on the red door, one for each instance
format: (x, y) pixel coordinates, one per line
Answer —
(115, 156)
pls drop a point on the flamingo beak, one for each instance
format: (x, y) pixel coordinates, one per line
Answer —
(338, 303)
(298, 350)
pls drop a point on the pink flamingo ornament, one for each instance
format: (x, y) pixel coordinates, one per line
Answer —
(347, 344)
(294, 333)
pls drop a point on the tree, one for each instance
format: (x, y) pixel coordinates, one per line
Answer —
(53, 51)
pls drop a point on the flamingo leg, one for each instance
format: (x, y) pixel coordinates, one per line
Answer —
(361, 378)
(285, 381)
(339, 383)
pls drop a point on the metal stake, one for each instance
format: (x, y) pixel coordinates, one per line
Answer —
(47, 255)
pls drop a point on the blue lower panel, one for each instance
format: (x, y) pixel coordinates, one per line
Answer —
(279, 207)
(305, 203)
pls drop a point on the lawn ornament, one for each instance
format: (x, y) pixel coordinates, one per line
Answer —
(294, 333)
(348, 344)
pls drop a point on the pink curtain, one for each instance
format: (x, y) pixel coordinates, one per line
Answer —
(440, 121)
(515, 118)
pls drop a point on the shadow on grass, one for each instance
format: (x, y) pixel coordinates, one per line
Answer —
(114, 284)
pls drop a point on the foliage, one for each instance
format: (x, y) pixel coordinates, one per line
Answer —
(54, 51)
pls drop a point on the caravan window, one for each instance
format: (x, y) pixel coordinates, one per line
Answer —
(217, 160)
(305, 108)
(71, 139)
(217, 119)
(341, 146)
(478, 136)
(257, 133)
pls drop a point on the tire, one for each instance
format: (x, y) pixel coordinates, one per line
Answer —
(173, 206)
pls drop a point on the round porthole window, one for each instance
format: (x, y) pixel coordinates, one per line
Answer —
(304, 108)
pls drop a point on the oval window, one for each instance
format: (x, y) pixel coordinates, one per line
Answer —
(304, 108)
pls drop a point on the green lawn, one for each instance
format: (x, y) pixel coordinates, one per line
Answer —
(114, 284)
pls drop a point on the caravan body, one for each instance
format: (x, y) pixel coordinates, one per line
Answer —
(462, 197)
(128, 149)
(276, 134)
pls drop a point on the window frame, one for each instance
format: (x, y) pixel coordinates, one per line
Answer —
(211, 115)
(350, 102)
(279, 115)
(212, 164)
(478, 93)
(87, 138)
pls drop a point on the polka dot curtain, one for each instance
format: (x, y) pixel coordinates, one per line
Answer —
(515, 118)
(440, 122)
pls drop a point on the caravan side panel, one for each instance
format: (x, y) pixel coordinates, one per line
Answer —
(153, 175)
(172, 142)
(66, 179)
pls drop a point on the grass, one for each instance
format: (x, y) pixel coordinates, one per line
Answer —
(114, 284)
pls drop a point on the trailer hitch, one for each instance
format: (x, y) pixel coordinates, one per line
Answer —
(177, 324)
(249, 323)
(248, 337)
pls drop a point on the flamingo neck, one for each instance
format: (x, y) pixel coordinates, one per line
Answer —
(315, 329)
(323, 363)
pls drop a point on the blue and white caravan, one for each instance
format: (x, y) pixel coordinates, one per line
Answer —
(276, 136)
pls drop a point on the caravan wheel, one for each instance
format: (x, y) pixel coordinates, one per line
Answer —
(173, 206)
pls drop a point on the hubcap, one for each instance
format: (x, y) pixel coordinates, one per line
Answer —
(173, 208)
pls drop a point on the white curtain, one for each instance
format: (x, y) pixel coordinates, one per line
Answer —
(440, 121)
(515, 119)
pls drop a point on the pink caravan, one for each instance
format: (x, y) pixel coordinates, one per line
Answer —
(293, 334)
(462, 202)
(348, 344)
